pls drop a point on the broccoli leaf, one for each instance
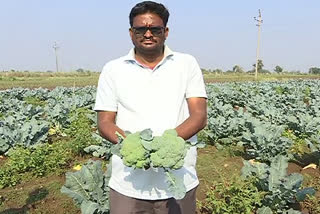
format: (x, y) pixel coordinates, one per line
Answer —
(146, 135)
(88, 188)
(176, 186)
(264, 210)
(97, 151)
(89, 207)
(302, 194)
(292, 211)
(147, 145)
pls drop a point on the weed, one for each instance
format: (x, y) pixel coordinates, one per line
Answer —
(235, 196)
(312, 204)
(81, 131)
(40, 161)
(35, 101)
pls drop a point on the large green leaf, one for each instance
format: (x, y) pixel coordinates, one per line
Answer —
(88, 188)
(146, 135)
(75, 188)
(293, 181)
(264, 210)
(278, 171)
(89, 207)
(302, 194)
(292, 211)
(176, 186)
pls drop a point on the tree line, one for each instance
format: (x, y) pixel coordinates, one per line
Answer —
(278, 69)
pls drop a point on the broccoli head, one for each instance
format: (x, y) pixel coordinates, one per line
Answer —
(133, 153)
(168, 150)
(142, 150)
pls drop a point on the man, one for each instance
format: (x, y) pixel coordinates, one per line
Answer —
(151, 87)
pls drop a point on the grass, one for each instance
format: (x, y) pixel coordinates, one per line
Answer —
(47, 80)
(230, 77)
(215, 165)
(78, 79)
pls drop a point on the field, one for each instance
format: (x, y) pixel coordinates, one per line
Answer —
(47, 79)
(262, 142)
(80, 79)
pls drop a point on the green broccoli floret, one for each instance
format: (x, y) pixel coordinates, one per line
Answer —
(168, 150)
(133, 153)
(142, 150)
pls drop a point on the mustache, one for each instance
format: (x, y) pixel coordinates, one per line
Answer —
(148, 39)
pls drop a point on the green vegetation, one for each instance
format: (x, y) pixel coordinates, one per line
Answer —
(61, 146)
(81, 131)
(133, 153)
(47, 79)
(80, 79)
(35, 101)
(88, 188)
(280, 189)
(142, 150)
(44, 133)
(39, 161)
(312, 204)
(169, 150)
(231, 196)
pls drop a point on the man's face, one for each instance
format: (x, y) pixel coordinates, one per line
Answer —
(148, 33)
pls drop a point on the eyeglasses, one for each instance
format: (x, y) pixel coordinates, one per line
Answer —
(140, 31)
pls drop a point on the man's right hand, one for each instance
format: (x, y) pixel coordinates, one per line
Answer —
(107, 126)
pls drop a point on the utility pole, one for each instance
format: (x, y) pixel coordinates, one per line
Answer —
(56, 47)
(259, 20)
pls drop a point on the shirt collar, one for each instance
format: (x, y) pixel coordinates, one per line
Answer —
(131, 55)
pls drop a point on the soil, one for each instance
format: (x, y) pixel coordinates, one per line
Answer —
(2, 160)
(294, 168)
(213, 165)
(40, 195)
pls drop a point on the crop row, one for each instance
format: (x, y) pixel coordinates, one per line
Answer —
(274, 122)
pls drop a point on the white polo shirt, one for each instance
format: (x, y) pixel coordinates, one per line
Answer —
(156, 99)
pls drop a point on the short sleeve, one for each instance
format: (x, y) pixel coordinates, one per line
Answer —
(195, 85)
(106, 99)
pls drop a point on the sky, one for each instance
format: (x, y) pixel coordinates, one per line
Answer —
(220, 34)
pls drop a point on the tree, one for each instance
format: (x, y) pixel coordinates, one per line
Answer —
(260, 65)
(278, 69)
(314, 70)
(204, 71)
(217, 70)
(80, 70)
(237, 69)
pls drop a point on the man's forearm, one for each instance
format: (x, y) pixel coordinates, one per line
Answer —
(192, 126)
(108, 131)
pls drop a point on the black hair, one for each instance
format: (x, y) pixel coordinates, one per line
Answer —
(151, 7)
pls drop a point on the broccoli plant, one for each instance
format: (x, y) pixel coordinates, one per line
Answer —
(89, 188)
(14, 131)
(102, 150)
(264, 141)
(280, 189)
